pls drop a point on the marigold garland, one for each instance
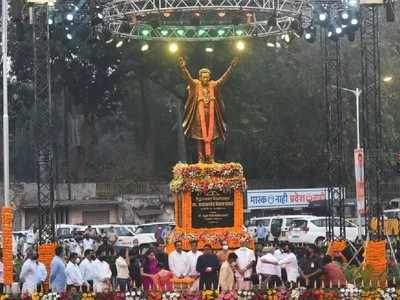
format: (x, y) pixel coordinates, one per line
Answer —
(206, 177)
(7, 222)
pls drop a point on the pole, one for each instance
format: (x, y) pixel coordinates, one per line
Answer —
(6, 161)
(358, 93)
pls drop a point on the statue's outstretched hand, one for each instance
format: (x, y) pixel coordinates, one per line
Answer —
(182, 62)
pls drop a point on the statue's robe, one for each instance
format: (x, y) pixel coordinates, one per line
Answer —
(191, 119)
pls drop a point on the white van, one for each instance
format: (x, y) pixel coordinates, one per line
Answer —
(312, 230)
(125, 237)
(278, 226)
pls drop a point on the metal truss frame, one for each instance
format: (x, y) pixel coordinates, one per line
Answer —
(120, 14)
(334, 116)
(43, 123)
(371, 116)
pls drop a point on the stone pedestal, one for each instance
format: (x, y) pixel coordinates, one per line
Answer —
(208, 205)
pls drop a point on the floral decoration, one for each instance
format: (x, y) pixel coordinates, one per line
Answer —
(202, 178)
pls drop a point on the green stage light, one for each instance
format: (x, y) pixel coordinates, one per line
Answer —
(239, 32)
(164, 32)
(221, 32)
(200, 32)
(180, 32)
(146, 32)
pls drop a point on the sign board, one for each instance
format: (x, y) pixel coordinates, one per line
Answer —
(360, 183)
(212, 210)
(288, 198)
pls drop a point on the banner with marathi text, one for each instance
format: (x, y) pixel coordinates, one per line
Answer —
(286, 198)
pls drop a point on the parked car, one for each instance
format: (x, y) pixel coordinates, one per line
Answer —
(278, 226)
(64, 231)
(150, 229)
(312, 230)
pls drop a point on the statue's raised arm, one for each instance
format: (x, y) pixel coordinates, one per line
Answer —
(184, 70)
(228, 72)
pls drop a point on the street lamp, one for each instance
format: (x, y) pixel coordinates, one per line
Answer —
(358, 161)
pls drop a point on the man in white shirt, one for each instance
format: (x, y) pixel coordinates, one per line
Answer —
(178, 261)
(268, 267)
(88, 243)
(41, 274)
(193, 256)
(28, 274)
(245, 261)
(73, 274)
(86, 267)
(289, 262)
(101, 274)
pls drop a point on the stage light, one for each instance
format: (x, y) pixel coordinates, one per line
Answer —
(354, 21)
(387, 78)
(197, 14)
(69, 36)
(286, 37)
(119, 44)
(109, 41)
(221, 14)
(173, 47)
(100, 16)
(270, 45)
(180, 32)
(344, 15)
(221, 32)
(278, 45)
(144, 47)
(209, 49)
(146, 32)
(164, 32)
(167, 14)
(51, 22)
(323, 16)
(239, 32)
(200, 32)
(338, 30)
(240, 45)
(344, 26)
(70, 17)
(310, 34)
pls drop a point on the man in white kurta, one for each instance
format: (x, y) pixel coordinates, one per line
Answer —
(289, 262)
(102, 275)
(245, 261)
(28, 275)
(178, 261)
(193, 255)
(73, 273)
(86, 267)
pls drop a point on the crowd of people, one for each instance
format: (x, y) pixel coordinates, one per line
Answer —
(101, 269)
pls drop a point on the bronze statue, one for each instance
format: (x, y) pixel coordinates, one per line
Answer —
(203, 118)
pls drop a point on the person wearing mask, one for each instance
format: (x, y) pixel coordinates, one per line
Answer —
(246, 259)
(178, 261)
(101, 274)
(289, 263)
(134, 267)
(208, 267)
(88, 243)
(149, 269)
(193, 256)
(41, 273)
(310, 267)
(161, 256)
(122, 265)
(268, 268)
(73, 274)
(57, 271)
(333, 274)
(227, 273)
(28, 273)
(224, 252)
(86, 267)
